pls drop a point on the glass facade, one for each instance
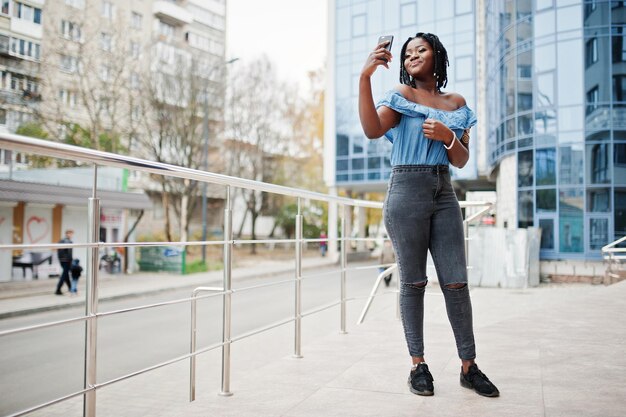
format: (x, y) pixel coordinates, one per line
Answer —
(358, 25)
(556, 99)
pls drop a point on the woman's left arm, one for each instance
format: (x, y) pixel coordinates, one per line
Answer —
(458, 154)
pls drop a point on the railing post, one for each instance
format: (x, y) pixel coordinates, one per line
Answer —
(297, 353)
(192, 348)
(344, 263)
(226, 317)
(91, 304)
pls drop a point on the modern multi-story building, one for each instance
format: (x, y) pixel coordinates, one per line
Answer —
(547, 79)
(556, 120)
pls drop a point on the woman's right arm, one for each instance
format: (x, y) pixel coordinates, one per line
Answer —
(375, 123)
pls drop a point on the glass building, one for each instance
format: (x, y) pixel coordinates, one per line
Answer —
(556, 113)
(361, 164)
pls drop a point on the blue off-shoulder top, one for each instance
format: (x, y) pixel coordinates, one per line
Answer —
(410, 146)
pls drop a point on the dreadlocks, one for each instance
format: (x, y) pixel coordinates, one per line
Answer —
(441, 60)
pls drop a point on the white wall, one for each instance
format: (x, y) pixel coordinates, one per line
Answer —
(6, 233)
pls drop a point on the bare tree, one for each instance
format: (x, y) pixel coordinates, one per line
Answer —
(255, 129)
(172, 117)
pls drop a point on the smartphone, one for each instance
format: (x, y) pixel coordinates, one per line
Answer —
(385, 39)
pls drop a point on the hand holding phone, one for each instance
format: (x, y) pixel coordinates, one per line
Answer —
(389, 40)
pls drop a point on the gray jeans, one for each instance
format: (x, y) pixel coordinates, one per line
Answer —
(421, 214)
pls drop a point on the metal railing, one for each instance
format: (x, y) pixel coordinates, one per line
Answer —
(614, 258)
(93, 315)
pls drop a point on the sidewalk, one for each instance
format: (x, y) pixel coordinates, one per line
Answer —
(555, 350)
(19, 298)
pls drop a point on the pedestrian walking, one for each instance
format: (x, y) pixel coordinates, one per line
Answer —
(421, 211)
(65, 259)
(386, 257)
(76, 270)
(323, 243)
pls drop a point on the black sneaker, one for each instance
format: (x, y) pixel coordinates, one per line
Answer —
(479, 382)
(421, 381)
(58, 293)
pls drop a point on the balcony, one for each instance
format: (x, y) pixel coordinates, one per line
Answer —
(172, 13)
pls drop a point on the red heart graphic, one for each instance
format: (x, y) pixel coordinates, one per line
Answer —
(39, 234)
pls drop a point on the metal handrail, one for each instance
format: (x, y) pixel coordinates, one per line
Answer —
(92, 315)
(60, 150)
(613, 256)
(380, 277)
(192, 348)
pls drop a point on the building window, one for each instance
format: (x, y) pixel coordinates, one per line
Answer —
(598, 200)
(5, 7)
(67, 98)
(593, 96)
(79, 4)
(619, 164)
(462, 6)
(106, 42)
(408, 14)
(619, 88)
(546, 200)
(545, 165)
(525, 209)
(524, 71)
(134, 81)
(3, 117)
(135, 20)
(104, 104)
(618, 46)
(598, 163)
(26, 12)
(524, 101)
(24, 48)
(69, 63)
(135, 50)
(107, 10)
(359, 25)
(598, 233)
(571, 220)
(547, 234)
(70, 30)
(135, 113)
(525, 169)
(166, 30)
(105, 73)
(591, 52)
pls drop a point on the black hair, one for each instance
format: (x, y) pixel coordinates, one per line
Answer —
(441, 60)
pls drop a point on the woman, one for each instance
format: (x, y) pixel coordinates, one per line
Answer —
(421, 210)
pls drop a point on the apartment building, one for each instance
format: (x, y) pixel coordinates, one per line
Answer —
(99, 63)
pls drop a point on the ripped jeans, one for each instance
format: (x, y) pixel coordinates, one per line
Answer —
(421, 214)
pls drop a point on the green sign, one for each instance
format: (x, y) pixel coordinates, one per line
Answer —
(162, 258)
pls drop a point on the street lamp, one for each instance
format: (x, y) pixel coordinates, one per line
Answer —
(205, 154)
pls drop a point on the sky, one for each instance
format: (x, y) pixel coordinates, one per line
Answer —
(292, 33)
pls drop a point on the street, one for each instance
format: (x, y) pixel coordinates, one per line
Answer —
(41, 365)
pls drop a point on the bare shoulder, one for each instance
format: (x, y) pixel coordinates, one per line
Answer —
(405, 90)
(456, 98)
